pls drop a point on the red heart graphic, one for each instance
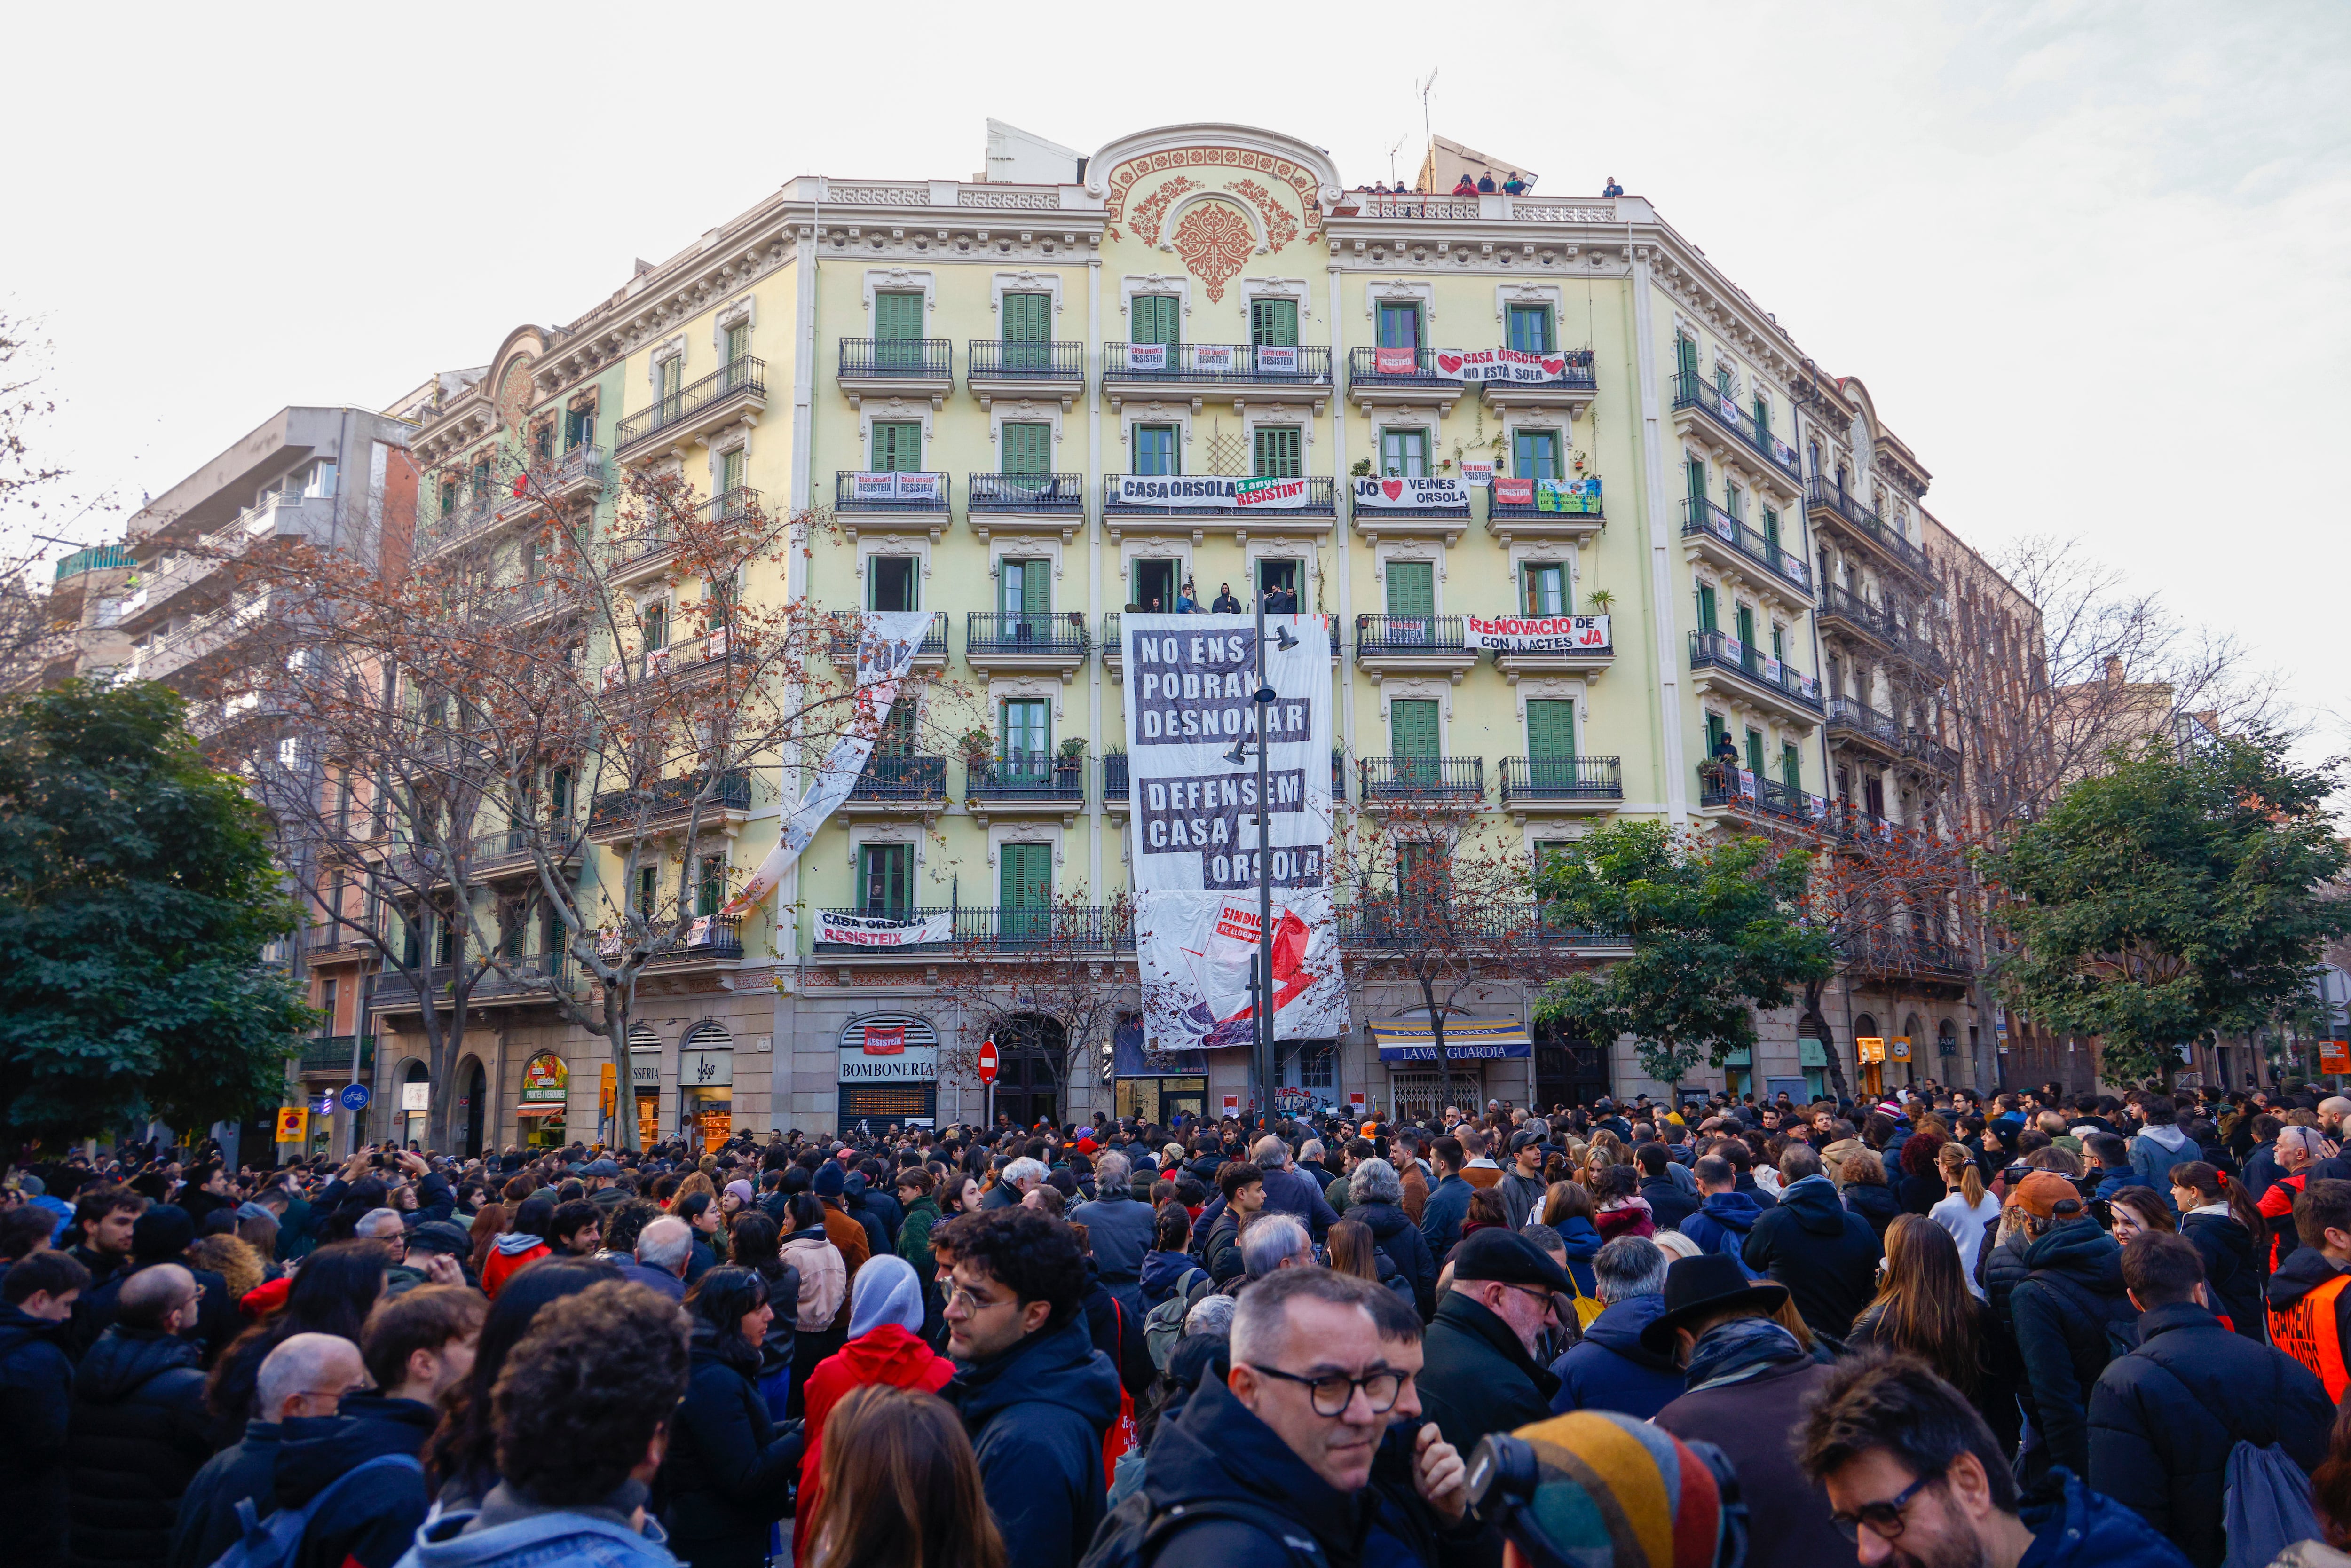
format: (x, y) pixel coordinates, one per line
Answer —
(1449, 363)
(1392, 489)
(1552, 367)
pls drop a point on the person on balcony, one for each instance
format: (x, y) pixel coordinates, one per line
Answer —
(1465, 186)
(1187, 601)
(1486, 184)
(1225, 604)
(1611, 188)
(1514, 187)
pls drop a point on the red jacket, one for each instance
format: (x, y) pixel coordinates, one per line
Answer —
(886, 1354)
(500, 1267)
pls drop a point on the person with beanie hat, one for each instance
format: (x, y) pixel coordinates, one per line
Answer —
(843, 1229)
(886, 1322)
(1601, 1489)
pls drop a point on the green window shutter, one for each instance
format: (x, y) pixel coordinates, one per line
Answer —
(1412, 727)
(1747, 625)
(1755, 753)
(1025, 879)
(898, 316)
(1545, 590)
(1404, 453)
(1027, 318)
(1551, 728)
(1763, 420)
(1714, 734)
(1686, 361)
(1412, 588)
(1028, 448)
(1529, 327)
(1706, 620)
(1697, 471)
(730, 470)
(1534, 454)
(1028, 587)
(1273, 323)
(738, 341)
(672, 375)
(1279, 451)
(897, 446)
(1792, 768)
(1154, 318)
(1772, 528)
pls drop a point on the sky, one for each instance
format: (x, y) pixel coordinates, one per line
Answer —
(2090, 258)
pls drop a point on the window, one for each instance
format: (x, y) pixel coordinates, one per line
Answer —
(1772, 532)
(1755, 752)
(542, 440)
(1273, 323)
(1399, 324)
(892, 582)
(1413, 728)
(1155, 316)
(897, 734)
(1403, 453)
(1530, 328)
(1686, 364)
(1722, 378)
(738, 346)
(1791, 767)
(326, 998)
(1310, 1064)
(559, 794)
(1550, 853)
(1027, 318)
(1412, 588)
(1696, 473)
(654, 619)
(647, 887)
(1422, 870)
(448, 498)
(1746, 623)
(1545, 583)
(580, 427)
(670, 378)
(1778, 640)
(1027, 726)
(730, 471)
(481, 478)
(898, 316)
(884, 873)
(319, 482)
(897, 446)
(1028, 587)
(1762, 419)
(1534, 454)
(1278, 450)
(1706, 621)
(1154, 449)
(1277, 574)
(710, 886)
(1154, 585)
(1734, 500)
(1025, 889)
(1715, 734)
(1551, 728)
(1028, 448)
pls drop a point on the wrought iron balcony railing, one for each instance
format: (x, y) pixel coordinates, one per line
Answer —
(990, 359)
(914, 359)
(1721, 650)
(1451, 780)
(745, 377)
(1555, 778)
(1702, 517)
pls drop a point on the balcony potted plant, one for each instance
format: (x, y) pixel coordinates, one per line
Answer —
(1069, 761)
(1600, 599)
(976, 747)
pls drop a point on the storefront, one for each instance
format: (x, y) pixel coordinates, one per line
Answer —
(645, 1083)
(889, 1071)
(706, 1083)
(1156, 1086)
(546, 1091)
(1420, 1086)
(415, 1103)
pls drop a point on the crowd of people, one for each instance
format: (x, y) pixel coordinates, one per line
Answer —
(2029, 1331)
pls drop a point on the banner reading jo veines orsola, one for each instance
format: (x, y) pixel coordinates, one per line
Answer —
(1189, 680)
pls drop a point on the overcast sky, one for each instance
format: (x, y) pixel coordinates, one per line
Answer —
(2089, 257)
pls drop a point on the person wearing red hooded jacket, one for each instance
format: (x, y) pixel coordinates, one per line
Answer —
(886, 1322)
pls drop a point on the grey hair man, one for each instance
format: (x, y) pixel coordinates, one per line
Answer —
(1375, 1197)
(1118, 1231)
(1288, 1190)
(1023, 1174)
(1274, 1242)
(664, 1249)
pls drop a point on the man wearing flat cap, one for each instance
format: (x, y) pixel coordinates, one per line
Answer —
(1747, 1382)
(1481, 1373)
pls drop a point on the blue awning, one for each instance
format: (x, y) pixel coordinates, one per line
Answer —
(1466, 1039)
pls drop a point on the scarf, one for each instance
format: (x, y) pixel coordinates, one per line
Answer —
(1738, 1350)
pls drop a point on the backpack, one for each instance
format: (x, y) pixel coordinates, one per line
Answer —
(2266, 1507)
(1133, 1533)
(1163, 1325)
(276, 1542)
(1586, 1307)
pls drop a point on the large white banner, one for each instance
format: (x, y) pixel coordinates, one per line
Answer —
(1189, 680)
(1208, 490)
(1411, 494)
(1499, 365)
(884, 930)
(915, 485)
(886, 646)
(1539, 634)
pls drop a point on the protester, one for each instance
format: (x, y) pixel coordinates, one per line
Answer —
(1242, 1187)
(1747, 1383)
(332, 1294)
(899, 1485)
(36, 1378)
(305, 1375)
(1570, 1210)
(1967, 1210)
(2068, 1314)
(915, 1185)
(1669, 1203)
(1034, 1393)
(461, 1463)
(1375, 1197)
(1916, 1478)
(727, 1469)
(1611, 1369)
(1826, 1257)
(1121, 1231)
(1448, 1200)
(2219, 1217)
(2164, 1419)
(2330, 1500)
(137, 1433)
(885, 1314)
(1288, 1189)
(1481, 1373)
(1164, 1265)
(580, 1418)
(1923, 1309)
(1522, 1186)
(662, 1249)
(516, 1250)
(1864, 1191)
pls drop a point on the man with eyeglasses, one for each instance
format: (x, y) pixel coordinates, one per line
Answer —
(1484, 1373)
(1915, 1478)
(1314, 1426)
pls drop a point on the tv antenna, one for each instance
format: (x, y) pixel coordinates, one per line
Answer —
(1392, 153)
(1426, 135)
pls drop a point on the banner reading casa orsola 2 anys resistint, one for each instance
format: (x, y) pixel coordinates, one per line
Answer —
(1189, 680)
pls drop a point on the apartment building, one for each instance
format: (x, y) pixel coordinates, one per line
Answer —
(962, 382)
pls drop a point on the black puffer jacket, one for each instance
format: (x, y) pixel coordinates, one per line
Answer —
(137, 1438)
(2061, 1312)
(2232, 1269)
(729, 1473)
(1825, 1256)
(2164, 1417)
(1394, 1233)
(36, 1378)
(1875, 1202)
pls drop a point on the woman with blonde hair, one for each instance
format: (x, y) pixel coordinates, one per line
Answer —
(1924, 1310)
(900, 1488)
(1967, 1209)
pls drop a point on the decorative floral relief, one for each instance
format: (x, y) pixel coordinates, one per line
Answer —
(1124, 178)
(1148, 211)
(1281, 228)
(1214, 241)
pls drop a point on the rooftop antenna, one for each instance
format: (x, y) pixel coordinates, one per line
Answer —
(1392, 153)
(1426, 135)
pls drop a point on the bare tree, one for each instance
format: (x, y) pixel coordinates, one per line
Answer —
(1055, 977)
(40, 509)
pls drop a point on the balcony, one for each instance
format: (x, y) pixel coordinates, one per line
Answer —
(1552, 509)
(1588, 648)
(708, 942)
(896, 367)
(1041, 371)
(1561, 786)
(1195, 374)
(652, 551)
(1013, 641)
(1434, 783)
(1722, 662)
(1390, 377)
(1570, 392)
(1701, 402)
(1709, 531)
(1115, 784)
(200, 574)
(1198, 505)
(1409, 923)
(577, 473)
(1724, 790)
(1022, 503)
(1114, 643)
(328, 1053)
(912, 502)
(209, 636)
(975, 931)
(901, 786)
(466, 523)
(1897, 955)
(534, 976)
(1829, 506)
(1855, 722)
(1025, 783)
(1413, 645)
(843, 631)
(714, 805)
(1845, 612)
(1932, 755)
(694, 412)
(527, 603)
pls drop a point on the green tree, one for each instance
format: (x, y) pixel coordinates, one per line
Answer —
(2179, 896)
(1715, 932)
(136, 894)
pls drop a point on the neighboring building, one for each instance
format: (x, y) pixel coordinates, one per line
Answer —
(1762, 553)
(83, 610)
